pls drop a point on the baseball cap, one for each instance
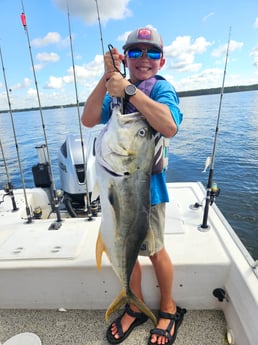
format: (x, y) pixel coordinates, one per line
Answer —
(144, 35)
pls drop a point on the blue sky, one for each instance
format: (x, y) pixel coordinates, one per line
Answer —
(195, 35)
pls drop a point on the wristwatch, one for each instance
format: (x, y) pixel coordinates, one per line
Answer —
(130, 90)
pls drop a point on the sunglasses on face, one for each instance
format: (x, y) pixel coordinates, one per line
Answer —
(136, 53)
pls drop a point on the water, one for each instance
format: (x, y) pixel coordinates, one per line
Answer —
(236, 160)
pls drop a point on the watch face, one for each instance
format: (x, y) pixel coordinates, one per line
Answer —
(130, 90)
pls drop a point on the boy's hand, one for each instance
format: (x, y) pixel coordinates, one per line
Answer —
(116, 85)
(109, 63)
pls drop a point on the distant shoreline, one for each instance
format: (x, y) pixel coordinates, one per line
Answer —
(217, 90)
(180, 94)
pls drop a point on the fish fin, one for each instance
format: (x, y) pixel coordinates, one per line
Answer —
(129, 298)
(114, 202)
(100, 248)
(132, 298)
(120, 300)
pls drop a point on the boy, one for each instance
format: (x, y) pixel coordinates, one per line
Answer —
(158, 103)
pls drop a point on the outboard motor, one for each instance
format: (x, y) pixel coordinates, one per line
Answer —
(72, 172)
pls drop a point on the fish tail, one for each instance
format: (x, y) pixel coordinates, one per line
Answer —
(132, 298)
(120, 300)
(129, 298)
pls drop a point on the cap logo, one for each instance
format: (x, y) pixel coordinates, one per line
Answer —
(145, 34)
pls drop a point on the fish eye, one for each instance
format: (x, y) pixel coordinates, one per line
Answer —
(142, 132)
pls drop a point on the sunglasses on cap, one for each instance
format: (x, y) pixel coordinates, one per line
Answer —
(136, 53)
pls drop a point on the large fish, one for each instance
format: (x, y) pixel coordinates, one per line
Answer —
(124, 159)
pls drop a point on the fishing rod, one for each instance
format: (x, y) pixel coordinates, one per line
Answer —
(87, 201)
(29, 217)
(210, 189)
(100, 29)
(115, 101)
(56, 197)
(9, 186)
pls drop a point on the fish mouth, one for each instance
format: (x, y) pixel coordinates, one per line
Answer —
(124, 152)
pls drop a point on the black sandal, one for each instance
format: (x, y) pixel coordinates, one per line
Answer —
(175, 319)
(140, 318)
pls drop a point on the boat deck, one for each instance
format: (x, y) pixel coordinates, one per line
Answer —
(43, 270)
(83, 327)
(59, 267)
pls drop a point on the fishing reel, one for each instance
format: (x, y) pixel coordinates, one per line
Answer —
(213, 194)
(37, 212)
(8, 188)
(215, 191)
(58, 196)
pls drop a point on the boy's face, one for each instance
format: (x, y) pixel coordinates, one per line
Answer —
(143, 68)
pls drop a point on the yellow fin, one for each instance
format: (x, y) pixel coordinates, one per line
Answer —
(120, 300)
(100, 248)
(142, 307)
(129, 298)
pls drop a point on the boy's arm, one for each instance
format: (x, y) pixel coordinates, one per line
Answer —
(93, 107)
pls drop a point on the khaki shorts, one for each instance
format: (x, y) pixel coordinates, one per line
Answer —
(154, 240)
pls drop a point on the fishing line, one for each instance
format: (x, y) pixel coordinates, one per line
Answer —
(55, 196)
(29, 217)
(88, 204)
(117, 101)
(212, 164)
(123, 74)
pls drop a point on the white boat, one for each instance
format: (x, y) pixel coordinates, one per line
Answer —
(49, 264)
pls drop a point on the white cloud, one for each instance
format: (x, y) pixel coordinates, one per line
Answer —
(54, 83)
(32, 93)
(208, 78)
(50, 38)
(47, 57)
(221, 51)
(44, 59)
(123, 37)
(184, 44)
(38, 67)
(211, 78)
(23, 85)
(182, 52)
(254, 54)
(86, 9)
(256, 22)
(84, 74)
(205, 18)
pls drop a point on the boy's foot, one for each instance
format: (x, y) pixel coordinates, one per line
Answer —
(116, 334)
(168, 332)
